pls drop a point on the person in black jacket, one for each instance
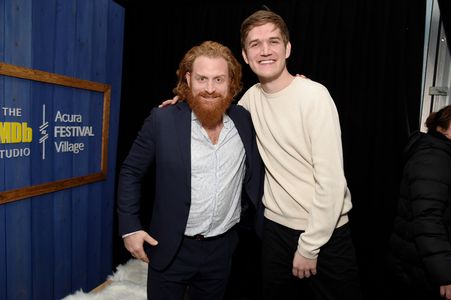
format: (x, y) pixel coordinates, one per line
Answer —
(421, 241)
(207, 171)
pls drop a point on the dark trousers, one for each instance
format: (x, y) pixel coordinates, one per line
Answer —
(200, 269)
(337, 273)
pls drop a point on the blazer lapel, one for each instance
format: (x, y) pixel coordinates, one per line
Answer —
(243, 129)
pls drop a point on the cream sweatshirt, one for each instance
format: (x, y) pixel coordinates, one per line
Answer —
(299, 139)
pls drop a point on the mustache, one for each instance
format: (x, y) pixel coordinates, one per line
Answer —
(210, 95)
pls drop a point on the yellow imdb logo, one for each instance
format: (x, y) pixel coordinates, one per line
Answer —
(15, 132)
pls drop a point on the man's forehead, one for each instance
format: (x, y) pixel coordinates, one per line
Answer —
(269, 29)
(210, 65)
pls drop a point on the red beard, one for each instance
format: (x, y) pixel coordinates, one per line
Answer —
(209, 113)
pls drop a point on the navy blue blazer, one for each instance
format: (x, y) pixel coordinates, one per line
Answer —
(165, 141)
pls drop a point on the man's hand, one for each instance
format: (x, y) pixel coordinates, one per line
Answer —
(135, 244)
(445, 291)
(169, 102)
(302, 266)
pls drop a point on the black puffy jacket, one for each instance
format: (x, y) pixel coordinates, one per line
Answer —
(421, 242)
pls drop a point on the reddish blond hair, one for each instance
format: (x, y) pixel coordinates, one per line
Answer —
(209, 49)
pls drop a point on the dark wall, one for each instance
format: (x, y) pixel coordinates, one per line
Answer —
(369, 55)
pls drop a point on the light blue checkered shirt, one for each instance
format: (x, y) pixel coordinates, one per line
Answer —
(217, 173)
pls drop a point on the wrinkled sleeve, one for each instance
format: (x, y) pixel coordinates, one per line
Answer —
(429, 194)
(330, 183)
(133, 169)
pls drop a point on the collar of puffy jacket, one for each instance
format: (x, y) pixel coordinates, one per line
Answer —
(430, 139)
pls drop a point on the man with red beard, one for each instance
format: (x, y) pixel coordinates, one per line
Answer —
(206, 160)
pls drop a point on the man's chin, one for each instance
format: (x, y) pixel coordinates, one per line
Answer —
(209, 110)
(209, 116)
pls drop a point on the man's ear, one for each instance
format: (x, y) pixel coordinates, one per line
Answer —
(243, 53)
(188, 78)
(287, 50)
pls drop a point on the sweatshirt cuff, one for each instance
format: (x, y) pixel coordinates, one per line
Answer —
(306, 253)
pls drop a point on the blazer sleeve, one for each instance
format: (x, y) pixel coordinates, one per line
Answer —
(132, 171)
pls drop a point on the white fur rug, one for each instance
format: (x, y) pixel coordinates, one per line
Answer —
(127, 283)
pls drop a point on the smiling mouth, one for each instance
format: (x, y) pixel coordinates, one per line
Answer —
(210, 99)
(266, 61)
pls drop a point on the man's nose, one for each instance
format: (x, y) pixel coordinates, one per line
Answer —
(210, 87)
(264, 49)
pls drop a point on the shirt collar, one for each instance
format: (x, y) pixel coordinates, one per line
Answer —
(225, 119)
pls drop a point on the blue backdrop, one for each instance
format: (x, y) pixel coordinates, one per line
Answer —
(54, 244)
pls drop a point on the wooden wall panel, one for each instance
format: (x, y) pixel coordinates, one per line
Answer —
(18, 24)
(54, 244)
(80, 199)
(42, 238)
(114, 46)
(98, 71)
(64, 64)
(3, 287)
